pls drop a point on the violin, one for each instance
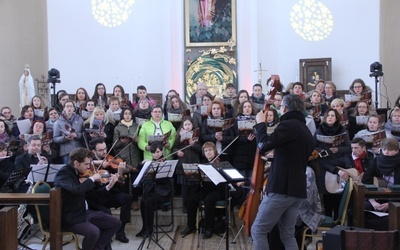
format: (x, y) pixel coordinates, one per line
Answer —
(250, 206)
(105, 175)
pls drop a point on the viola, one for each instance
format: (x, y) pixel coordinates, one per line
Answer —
(250, 206)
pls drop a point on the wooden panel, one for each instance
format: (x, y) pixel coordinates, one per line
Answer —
(8, 231)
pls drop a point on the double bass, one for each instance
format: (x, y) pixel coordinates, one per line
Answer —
(250, 206)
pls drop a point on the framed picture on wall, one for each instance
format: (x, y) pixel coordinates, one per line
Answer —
(313, 70)
(210, 22)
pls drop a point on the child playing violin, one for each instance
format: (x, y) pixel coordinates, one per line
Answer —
(154, 193)
(187, 151)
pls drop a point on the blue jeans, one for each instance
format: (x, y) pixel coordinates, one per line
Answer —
(276, 208)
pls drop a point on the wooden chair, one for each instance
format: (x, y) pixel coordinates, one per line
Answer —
(369, 240)
(43, 214)
(329, 223)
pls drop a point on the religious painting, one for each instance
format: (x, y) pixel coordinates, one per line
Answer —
(313, 70)
(210, 22)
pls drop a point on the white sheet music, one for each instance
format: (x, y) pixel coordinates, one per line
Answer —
(233, 173)
(53, 170)
(165, 169)
(24, 126)
(212, 173)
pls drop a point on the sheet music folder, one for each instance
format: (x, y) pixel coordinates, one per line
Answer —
(222, 172)
(15, 179)
(164, 169)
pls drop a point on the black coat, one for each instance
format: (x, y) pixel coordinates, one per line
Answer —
(293, 143)
(383, 165)
(26, 160)
(73, 195)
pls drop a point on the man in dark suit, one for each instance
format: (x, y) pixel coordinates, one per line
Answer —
(31, 157)
(97, 227)
(116, 197)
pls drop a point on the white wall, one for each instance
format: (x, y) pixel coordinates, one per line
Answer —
(149, 48)
(353, 44)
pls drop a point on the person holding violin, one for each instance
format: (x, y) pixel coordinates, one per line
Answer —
(209, 193)
(286, 186)
(97, 227)
(115, 197)
(158, 192)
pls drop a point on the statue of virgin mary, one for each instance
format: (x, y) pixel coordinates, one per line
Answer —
(26, 87)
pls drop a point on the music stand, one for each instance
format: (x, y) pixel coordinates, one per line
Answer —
(39, 172)
(223, 172)
(155, 170)
(14, 180)
(52, 171)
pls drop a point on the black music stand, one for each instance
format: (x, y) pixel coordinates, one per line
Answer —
(155, 170)
(223, 172)
(14, 181)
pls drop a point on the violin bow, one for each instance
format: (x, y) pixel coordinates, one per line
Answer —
(108, 153)
(222, 151)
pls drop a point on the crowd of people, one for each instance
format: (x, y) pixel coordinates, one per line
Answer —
(109, 129)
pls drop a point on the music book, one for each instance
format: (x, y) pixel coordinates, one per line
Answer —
(15, 179)
(220, 125)
(331, 141)
(85, 114)
(163, 170)
(361, 120)
(39, 112)
(246, 127)
(24, 126)
(140, 121)
(117, 116)
(161, 138)
(174, 117)
(374, 139)
(227, 101)
(194, 134)
(316, 111)
(204, 110)
(356, 98)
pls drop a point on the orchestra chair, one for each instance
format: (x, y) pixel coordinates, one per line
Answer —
(369, 240)
(328, 222)
(43, 214)
(221, 204)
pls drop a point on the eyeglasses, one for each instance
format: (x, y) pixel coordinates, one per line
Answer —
(53, 113)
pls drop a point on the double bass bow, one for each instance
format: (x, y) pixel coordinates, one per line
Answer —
(250, 206)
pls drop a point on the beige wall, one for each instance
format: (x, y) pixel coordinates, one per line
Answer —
(389, 48)
(23, 39)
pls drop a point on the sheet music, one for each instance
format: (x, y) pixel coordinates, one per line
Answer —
(246, 127)
(233, 173)
(39, 112)
(361, 119)
(212, 173)
(153, 138)
(117, 116)
(142, 173)
(140, 121)
(332, 140)
(24, 126)
(174, 117)
(351, 98)
(379, 214)
(165, 169)
(204, 110)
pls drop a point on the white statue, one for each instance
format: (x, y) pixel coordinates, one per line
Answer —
(26, 87)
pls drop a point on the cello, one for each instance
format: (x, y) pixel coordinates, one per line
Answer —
(250, 206)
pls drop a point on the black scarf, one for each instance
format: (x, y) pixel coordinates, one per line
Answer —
(387, 164)
(330, 130)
